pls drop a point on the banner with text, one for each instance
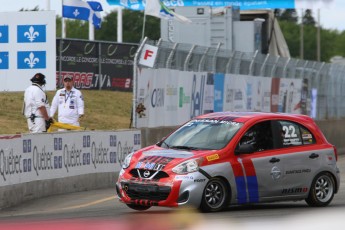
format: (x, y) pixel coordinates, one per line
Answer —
(32, 157)
(172, 97)
(95, 65)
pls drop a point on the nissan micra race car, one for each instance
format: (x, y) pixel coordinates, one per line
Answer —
(231, 158)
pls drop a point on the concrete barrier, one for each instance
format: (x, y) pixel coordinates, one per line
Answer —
(43, 164)
(334, 132)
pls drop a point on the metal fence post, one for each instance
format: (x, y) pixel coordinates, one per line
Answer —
(252, 63)
(60, 60)
(169, 59)
(228, 65)
(285, 67)
(186, 61)
(100, 65)
(263, 66)
(274, 67)
(202, 60)
(135, 82)
(214, 60)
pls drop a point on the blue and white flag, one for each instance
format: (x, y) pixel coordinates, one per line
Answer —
(87, 11)
(31, 33)
(158, 9)
(31, 60)
(3, 60)
(95, 6)
(3, 34)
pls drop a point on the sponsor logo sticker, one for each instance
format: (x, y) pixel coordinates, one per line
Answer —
(184, 177)
(212, 157)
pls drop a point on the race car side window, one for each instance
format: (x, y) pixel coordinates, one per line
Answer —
(294, 134)
(259, 137)
(291, 134)
(307, 136)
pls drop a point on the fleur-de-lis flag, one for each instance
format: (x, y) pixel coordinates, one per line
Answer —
(87, 11)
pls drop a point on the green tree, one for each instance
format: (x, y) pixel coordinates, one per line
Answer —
(288, 15)
(291, 33)
(132, 24)
(308, 18)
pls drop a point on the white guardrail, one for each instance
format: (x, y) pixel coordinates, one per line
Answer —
(26, 158)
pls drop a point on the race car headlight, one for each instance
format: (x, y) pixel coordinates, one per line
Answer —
(187, 166)
(127, 161)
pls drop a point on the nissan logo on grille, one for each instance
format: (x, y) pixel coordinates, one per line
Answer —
(146, 173)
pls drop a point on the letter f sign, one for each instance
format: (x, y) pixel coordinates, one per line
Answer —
(148, 55)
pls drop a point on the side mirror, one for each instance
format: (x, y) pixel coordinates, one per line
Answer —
(244, 149)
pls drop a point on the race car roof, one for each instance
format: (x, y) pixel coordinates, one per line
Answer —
(246, 116)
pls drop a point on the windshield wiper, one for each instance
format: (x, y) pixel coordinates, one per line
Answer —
(183, 147)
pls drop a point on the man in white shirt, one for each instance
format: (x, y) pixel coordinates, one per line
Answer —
(36, 105)
(69, 102)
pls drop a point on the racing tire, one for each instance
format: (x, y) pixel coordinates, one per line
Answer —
(322, 190)
(138, 207)
(215, 196)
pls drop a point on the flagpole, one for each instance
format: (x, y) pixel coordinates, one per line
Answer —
(119, 24)
(91, 32)
(63, 28)
(48, 4)
(144, 23)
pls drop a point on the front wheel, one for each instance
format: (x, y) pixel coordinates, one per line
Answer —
(322, 190)
(215, 196)
(138, 207)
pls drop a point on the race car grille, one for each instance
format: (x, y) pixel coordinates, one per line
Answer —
(146, 192)
(148, 174)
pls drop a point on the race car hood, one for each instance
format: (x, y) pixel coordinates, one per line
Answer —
(157, 159)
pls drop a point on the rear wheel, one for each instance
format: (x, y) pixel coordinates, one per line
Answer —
(215, 196)
(138, 207)
(322, 190)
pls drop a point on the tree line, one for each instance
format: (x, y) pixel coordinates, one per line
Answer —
(332, 41)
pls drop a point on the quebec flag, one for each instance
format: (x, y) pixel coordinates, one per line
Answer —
(31, 60)
(3, 60)
(87, 11)
(31, 33)
(3, 34)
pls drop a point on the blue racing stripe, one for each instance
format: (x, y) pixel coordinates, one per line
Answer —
(241, 190)
(253, 189)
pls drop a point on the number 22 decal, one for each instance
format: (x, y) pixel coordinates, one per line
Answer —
(290, 131)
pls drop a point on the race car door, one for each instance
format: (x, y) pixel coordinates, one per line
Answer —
(261, 169)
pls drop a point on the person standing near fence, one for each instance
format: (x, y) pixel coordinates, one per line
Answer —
(69, 102)
(36, 105)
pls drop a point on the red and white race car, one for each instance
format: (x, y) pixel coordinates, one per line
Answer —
(219, 159)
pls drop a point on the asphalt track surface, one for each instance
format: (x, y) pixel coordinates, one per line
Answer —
(100, 210)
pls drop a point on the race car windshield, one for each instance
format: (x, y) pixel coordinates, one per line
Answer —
(202, 134)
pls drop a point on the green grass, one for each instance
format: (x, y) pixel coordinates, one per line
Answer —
(104, 110)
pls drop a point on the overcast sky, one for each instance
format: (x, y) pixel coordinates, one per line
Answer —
(332, 12)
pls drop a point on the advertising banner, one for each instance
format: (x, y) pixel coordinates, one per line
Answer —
(96, 65)
(27, 46)
(242, 4)
(219, 92)
(172, 97)
(287, 95)
(31, 157)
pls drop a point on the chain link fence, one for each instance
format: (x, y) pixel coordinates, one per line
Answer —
(324, 78)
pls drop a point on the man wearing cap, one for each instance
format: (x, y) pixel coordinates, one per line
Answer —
(69, 102)
(36, 105)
